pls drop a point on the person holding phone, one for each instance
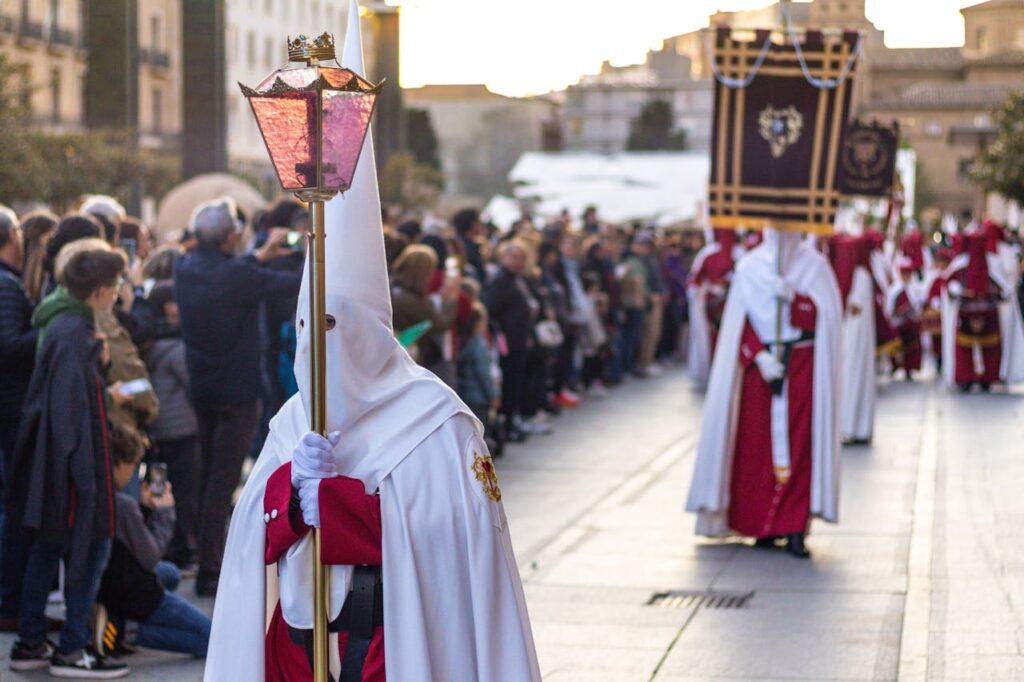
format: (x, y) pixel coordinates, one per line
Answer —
(137, 586)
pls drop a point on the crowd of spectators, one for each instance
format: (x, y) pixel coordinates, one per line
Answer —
(139, 376)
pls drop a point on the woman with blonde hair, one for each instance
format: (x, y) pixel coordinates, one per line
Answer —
(411, 302)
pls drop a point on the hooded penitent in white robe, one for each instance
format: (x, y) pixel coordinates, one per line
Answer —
(751, 299)
(857, 408)
(453, 600)
(1011, 325)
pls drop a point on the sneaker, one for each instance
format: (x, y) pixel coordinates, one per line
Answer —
(654, 370)
(597, 390)
(108, 632)
(537, 426)
(36, 658)
(565, 399)
(86, 664)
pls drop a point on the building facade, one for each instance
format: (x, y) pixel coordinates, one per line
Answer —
(482, 134)
(599, 110)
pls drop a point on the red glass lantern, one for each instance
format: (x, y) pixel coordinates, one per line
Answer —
(313, 119)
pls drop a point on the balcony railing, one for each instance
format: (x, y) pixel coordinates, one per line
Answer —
(30, 29)
(155, 58)
(60, 36)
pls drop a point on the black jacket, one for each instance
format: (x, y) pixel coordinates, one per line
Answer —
(509, 308)
(17, 342)
(220, 297)
(60, 479)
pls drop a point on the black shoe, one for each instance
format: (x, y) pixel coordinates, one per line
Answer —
(36, 658)
(795, 546)
(108, 633)
(515, 435)
(767, 542)
(985, 388)
(206, 584)
(86, 664)
(964, 388)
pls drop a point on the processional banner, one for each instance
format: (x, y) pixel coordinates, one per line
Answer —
(868, 161)
(780, 115)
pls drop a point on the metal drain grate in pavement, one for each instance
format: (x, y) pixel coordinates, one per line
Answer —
(686, 599)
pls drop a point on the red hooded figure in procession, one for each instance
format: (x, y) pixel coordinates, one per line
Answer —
(706, 291)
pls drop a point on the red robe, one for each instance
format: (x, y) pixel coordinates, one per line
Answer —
(978, 325)
(908, 326)
(760, 506)
(350, 528)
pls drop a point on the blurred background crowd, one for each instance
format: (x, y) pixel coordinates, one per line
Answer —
(175, 355)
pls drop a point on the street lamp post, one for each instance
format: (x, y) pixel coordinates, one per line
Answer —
(313, 120)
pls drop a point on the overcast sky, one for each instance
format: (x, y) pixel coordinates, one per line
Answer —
(520, 47)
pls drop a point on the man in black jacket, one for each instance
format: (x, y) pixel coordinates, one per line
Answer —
(509, 305)
(17, 352)
(60, 485)
(219, 298)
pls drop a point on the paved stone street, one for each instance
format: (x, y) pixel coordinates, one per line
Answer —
(923, 579)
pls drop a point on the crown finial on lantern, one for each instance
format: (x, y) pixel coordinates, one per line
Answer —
(305, 49)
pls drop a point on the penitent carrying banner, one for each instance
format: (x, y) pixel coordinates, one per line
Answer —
(780, 115)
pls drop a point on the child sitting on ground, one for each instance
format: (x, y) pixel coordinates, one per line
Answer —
(136, 585)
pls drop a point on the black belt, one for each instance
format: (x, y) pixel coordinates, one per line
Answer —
(787, 347)
(361, 615)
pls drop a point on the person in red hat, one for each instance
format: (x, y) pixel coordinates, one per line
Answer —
(849, 256)
(903, 305)
(983, 337)
(706, 291)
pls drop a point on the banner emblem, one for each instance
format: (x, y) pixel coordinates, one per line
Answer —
(780, 128)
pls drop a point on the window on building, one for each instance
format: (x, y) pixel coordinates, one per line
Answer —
(963, 169)
(25, 7)
(155, 33)
(268, 54)
(55, 95)
(268, 7)
(316, 10)
(981, 39)
(250, 48)
(54, 17)
(158, 111)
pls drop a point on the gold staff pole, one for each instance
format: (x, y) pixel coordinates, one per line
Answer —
(318, 420)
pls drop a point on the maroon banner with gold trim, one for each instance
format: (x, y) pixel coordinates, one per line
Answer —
(867, 165)
(776, 140)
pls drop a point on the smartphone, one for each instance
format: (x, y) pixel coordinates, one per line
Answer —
(136, 386)
(131, 247)
(156, 474)
(296, 241)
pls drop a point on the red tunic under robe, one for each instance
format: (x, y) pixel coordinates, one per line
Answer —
(759, 505)
(978, 327)
(350, 527)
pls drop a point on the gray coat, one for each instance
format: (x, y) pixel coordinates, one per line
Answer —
(169, 375)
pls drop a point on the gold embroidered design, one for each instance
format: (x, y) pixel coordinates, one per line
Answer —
(780, 128)
(483, 467)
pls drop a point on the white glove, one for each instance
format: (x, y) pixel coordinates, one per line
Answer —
(770, 368)
(313, 458)
(782, 289)
(955, 289)
(309, 501)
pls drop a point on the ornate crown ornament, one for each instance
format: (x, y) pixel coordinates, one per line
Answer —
(305, 49)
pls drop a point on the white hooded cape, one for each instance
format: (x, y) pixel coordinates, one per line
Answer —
(749, 298)
(857, 409)
(454, 606)
(699, 353)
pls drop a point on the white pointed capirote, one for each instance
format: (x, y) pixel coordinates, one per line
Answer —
(454, 606)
